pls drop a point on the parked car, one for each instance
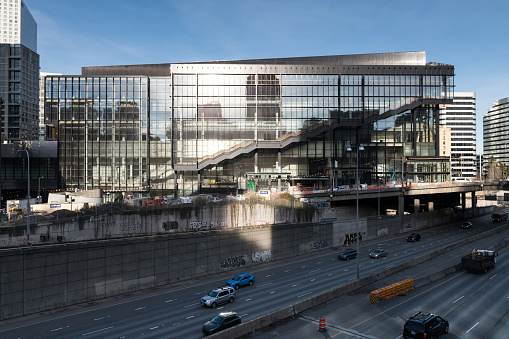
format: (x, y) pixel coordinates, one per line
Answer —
(466, 224)
(220, 322)
(349, 253)
(425, 325)
(217, 296)
(242, 279)
(378, 254)
(414, 237)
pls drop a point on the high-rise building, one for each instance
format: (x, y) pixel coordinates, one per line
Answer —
(262, 124)
(19, 72)
(496, 133)
(460, 117)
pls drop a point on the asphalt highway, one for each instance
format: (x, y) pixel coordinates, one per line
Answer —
(175, 311)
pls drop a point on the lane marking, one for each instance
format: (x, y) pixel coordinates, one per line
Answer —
(57, 329)
(493, 276)
(458, 299)
(248, 299)
(302, 295)
(153, 328)
(267, 284)
(192, 305)
(314, 271)
(190, 317)
(471, 328)
(275, 292)
(102, 329)
(139, 308)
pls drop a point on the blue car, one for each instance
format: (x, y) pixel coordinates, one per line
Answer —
(242, 279)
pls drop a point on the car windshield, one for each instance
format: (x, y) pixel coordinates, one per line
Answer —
(376, 251)
(213, 294)
(237, 278)
(217, 319)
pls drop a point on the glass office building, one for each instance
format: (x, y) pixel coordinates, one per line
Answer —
(187, 128)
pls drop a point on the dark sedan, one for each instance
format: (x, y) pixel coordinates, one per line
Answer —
(413, 237)
(220, 322)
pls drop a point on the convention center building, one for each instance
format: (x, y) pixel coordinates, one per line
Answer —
(279, 124)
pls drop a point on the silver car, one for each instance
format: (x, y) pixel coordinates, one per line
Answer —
(217, 296)
(378, 254)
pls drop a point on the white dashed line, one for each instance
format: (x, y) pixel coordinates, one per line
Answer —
(192, 305)
(139, 308)
(458, 299)
(102, 329)
(191, 316)
(471, 328)
(303, 295)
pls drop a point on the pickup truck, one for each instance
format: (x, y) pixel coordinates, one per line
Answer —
(479, 261)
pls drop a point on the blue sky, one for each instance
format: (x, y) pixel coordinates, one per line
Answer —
(471, 35)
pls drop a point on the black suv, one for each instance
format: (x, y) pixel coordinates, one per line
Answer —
(425, 325)
(347, 254)
(413, 237)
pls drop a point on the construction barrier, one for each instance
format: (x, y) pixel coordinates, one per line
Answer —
(321, 325)
(391, 291)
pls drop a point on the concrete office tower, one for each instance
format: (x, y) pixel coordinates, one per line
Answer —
(496, 132)
(460, 118)
(19, 72)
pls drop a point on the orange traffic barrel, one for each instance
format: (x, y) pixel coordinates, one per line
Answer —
(321, 326)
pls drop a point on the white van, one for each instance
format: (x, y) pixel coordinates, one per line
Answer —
(461, 180)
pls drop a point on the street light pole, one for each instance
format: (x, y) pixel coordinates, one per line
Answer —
(349, 149)
(28, 196)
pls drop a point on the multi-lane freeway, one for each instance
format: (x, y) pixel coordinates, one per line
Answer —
(175, 311)
(476, 306)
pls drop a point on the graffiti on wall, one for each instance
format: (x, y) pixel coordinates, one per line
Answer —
(351, 238)
(217, 224)
(263, 256)
(131, 227)
(383, 231)
(197, 225)
(318, 245)
(232, 262)
(170, 225)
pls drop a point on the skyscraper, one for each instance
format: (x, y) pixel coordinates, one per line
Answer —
(19, 72)
(460, 119)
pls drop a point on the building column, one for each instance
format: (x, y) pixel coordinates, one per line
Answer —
(431, 206)
(463, 202)
(474, 204)
(417, 205)
(401, 204)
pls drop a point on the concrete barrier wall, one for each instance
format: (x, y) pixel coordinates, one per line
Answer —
(190, 219)
(40, 278)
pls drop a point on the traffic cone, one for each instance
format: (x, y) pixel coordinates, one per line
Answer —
(321, 326)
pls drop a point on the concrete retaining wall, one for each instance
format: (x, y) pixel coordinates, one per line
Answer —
(40, 278)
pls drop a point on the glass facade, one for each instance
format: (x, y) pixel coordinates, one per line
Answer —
(223, 127)
(102, 131)
(496, 132)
